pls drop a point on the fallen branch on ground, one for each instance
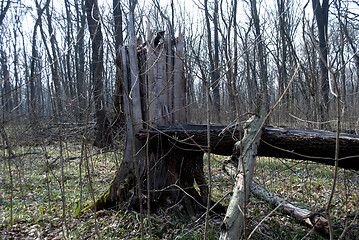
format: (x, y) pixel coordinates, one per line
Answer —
(312, 219)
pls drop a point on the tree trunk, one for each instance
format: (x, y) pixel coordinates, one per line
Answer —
(33, 75)
(133, 163)
(234, 65)
(216, 71)
(312, 145)
(3, 10)
(282, 58)
(158, 83)
(6, 88)
(312, 219)
(263, 75)
(54, 64)
(213, 59)
(18, 92)
(321, 16)
(118, 96)
(103, 134)
(69, 83)
(245, 153)
(80, 60)
(179, 86)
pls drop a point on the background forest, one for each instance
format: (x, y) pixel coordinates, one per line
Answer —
(244, 48)
(62, 115)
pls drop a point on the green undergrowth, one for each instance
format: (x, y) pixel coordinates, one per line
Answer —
(46, 185)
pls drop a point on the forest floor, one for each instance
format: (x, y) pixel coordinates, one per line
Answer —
(45, 186)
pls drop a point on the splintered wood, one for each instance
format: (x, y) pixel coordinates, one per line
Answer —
(165, 79)
(245, 153)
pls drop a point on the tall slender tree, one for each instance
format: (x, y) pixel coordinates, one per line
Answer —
(34, 60)
(80, 59)
(103, 135)
(262, 58)
(213, 54)
(118, 95)
(321, 15)
(68, 68)
(53, 59)
(6, 85)
(282, 52)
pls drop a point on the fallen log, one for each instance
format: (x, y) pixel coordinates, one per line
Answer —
(312, 219)
(313, 145)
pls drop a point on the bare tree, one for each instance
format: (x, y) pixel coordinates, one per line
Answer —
(262, 58)
(34, 59)
(6, 86)
(103, 135)
(80, 59)
(68, 79)
(213, 54)
(18, 91)
(321, 15)
(118, 94)
(282, 51)
(53, 59)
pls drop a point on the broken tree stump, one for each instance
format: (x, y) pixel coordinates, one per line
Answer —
(164, 170)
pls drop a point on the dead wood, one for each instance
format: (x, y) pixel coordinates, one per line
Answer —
(245, 153)
(310, 218)
(300, 144)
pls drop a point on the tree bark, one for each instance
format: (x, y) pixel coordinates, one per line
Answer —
(179, 86)
(103, 134)
(159, 106)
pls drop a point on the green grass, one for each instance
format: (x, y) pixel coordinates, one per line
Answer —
(38, 207)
